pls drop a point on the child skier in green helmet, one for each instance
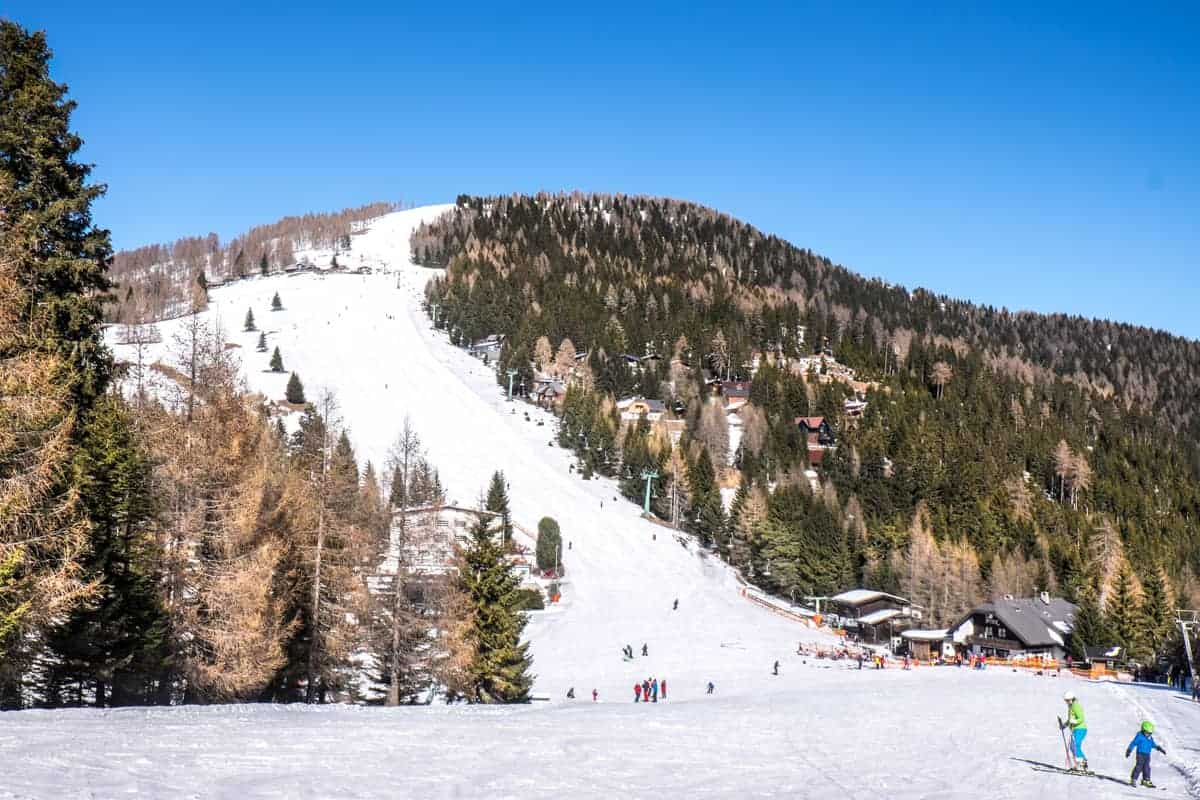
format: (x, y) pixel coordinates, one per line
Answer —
(1144, 744)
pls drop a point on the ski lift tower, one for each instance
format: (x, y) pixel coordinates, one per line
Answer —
(648, 475)
(1188, 621)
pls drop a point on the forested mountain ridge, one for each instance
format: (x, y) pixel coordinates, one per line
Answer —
(653, 240)
(998, 451)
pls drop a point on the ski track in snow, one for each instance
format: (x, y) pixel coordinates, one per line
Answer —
(820, 729)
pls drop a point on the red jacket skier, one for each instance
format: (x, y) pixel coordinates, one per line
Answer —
(637, 693)
(662, 688)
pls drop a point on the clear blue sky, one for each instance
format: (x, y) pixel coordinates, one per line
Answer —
(1025, 157)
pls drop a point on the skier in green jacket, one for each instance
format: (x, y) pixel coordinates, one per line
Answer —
(1078, 725)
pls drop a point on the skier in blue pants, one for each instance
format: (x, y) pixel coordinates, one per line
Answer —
(1078, 726)
(1145, 745)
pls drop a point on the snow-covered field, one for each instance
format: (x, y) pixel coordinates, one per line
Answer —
(817, 730)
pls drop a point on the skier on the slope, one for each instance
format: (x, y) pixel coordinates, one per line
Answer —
(646, 690)
(1145, 745)
(645, 651)
(571, 693)
(637, 693)
(676, 606)
(595, 696)
(776, 671)
(1078, 725)
(662, 687)
(654, 689)
(710, 687)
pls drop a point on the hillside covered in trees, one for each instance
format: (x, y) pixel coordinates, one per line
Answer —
(998, 451)
(160, 281)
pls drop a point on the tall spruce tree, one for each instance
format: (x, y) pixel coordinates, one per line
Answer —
(113, 647)
(276, 361)
(1156, 615)
(498, 671)
(706, 517)
(276, 303)
(53, 363)
(549, 544)
(497, 503)
(262, 342)
(1123, 613)
(1090, 628)
(248, 325)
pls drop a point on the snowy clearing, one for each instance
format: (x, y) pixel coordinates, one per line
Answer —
(812, 732)
(820, 729)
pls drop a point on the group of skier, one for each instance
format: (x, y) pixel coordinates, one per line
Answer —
(647, 691)
(1143, 743)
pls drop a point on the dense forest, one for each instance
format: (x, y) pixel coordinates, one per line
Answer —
(180, 546)
(998, 452)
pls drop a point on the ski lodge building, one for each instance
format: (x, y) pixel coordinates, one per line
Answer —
(874, 615)
(1014, 627)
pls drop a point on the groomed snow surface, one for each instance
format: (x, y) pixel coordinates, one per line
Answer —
(819, 729)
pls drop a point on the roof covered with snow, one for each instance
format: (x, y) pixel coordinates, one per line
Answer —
(859, 597)
(925, 636)
(876, 617)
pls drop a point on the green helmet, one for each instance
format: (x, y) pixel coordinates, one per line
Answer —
(1147, 726)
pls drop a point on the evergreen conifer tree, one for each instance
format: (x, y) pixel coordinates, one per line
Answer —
(276, 303)
(53, 362)
(1156, 614)
(295, 390)
(1123, 612)
(262, 265)
(497, 502)
(248, 325)
(549, 544)
(706, 516)
(499, 667)
(276, 361)
(113, 648)
(262, 342)
(1090, 629)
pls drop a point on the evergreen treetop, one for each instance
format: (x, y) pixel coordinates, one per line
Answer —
(497, 502)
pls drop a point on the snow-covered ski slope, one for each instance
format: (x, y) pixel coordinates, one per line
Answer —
(819, 729)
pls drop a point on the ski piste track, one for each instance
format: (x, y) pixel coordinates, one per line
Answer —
(819, 729)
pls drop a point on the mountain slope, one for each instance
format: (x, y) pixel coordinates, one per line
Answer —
(818, 729)
(366, 338)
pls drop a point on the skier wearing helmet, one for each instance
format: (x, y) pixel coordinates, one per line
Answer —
(1145, 745)
(1078, 725)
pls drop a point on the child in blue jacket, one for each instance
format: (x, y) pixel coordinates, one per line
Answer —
(1144, 744)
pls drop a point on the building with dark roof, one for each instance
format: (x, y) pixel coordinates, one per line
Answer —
(1021, 626)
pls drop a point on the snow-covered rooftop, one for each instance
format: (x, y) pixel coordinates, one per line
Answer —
(925, 636)
(858, 597)
(876, 617)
